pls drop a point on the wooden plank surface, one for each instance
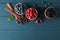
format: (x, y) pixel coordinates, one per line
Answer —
(48, 30)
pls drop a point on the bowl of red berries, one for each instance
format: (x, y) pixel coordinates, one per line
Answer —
(31, 13)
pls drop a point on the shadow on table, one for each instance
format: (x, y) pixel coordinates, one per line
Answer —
(58, 12)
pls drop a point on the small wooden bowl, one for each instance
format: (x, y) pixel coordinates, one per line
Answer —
(50, 12)
(34, 17)
(20, 8)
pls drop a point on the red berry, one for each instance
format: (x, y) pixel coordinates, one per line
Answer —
(34, 11)
(31, 8)
(35, 15)
(41, 20)
(29, 18)
(32, 16)
(36, 21)
(27, 12)
(28, 15)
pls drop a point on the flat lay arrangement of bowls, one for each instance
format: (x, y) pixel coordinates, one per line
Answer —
(22, 13)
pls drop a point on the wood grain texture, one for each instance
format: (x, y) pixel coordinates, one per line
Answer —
(48, 30)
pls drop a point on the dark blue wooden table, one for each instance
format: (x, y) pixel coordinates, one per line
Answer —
(48, 30)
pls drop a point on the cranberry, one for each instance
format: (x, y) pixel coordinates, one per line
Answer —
(36, 21)
(41, 20)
